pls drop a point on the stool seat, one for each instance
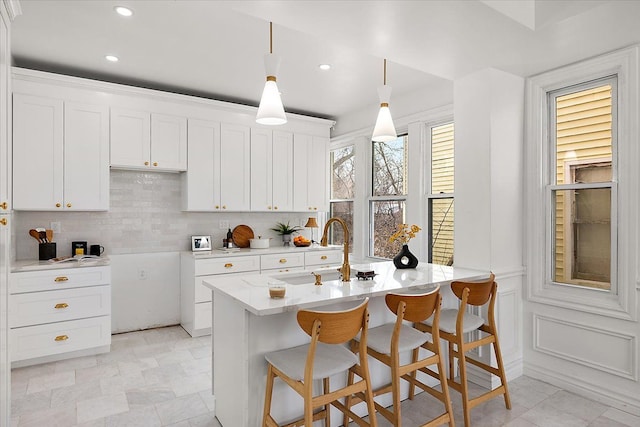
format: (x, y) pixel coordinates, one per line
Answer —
(449, 320)
(379, 338)
(329, 360)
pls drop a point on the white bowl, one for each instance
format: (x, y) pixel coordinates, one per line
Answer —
(259, 243)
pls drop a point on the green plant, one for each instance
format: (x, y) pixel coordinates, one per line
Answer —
(282, 228)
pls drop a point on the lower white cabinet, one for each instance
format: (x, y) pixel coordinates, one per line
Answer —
(58, 313)
(196, 299)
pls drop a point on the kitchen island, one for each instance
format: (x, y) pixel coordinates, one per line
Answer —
(247, 323)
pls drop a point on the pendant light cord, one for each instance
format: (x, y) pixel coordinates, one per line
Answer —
(385, 72)
(271, 37)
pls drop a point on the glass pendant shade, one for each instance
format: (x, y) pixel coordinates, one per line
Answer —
(271, 110)
(384, 129)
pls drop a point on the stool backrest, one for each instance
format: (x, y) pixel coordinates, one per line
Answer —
(418, 307)
(335, 327)
(479, 292)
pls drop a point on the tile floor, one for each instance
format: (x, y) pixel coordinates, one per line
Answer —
(161, 377)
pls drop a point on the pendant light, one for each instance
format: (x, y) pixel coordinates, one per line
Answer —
(384, 129)
(270, 110)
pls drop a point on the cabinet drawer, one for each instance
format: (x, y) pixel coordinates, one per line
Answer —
(202, 318)
(227, 265)
(323, 258)
(57, 306)
(47, 280)
(272, 261)
(61, 337)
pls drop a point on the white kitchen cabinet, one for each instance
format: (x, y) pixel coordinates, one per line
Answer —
(271, 170)
(59, 313)
(218, 178)
(310, 173)
(60, 155)
(144, 140)
(196, 299)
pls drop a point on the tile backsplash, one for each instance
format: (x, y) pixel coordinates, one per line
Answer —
(144, 216)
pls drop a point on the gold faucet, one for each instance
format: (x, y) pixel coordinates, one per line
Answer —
(345, 270)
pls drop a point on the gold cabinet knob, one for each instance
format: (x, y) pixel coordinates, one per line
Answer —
(68, 205)
(269, 207)
(275, 208)
(58, 205)
(228, 265)
(146, 163)
(155, 163)
(61, 338)
(3, 221)
(217, 206)
(310, 208)
(283, 260)
(315, 209)
(4, 205)
(224, 206)
(61, 305)
(323, 257)
(61, 279)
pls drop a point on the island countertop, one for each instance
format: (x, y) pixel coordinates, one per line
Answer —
(251, 290)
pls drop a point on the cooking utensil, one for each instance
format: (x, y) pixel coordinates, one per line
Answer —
(34, 233)
(49, 235)
(241, 235)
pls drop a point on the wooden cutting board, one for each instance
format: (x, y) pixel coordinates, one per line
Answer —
(241, 235)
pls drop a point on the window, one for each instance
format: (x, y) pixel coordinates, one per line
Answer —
(342, 191)
(440, 197)
(582, 143)
(388, 195)
(581, 186)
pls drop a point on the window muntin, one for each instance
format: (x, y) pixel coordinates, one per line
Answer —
(440, 199)
(583, 235)
(343, 177)
(388, 194)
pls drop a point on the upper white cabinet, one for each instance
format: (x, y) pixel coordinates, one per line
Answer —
(310, 173)
(60, 155)
(235, 167)
(271, 170)
(143, 140)
(218, 178)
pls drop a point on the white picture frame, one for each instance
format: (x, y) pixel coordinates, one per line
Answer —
(200, 243)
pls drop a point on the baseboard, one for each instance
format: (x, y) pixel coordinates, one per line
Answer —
(512, 370)
(623, 402)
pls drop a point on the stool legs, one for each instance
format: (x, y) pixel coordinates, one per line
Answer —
(267, 421)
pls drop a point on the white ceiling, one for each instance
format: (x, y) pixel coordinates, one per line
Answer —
(216, 48)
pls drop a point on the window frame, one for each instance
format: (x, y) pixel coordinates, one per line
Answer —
(538, 172)
(347, 200)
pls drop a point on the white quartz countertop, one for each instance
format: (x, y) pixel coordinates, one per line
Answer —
(279, 249)
(34, 265)
(251, 290)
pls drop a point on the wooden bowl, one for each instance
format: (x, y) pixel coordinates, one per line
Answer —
(302, 244)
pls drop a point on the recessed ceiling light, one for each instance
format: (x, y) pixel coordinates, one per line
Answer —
(111, 58)
(124, 11)
(324, 67)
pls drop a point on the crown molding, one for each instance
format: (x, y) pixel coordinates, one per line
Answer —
(13, 8)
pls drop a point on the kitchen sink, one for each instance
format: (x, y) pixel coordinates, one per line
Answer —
(308, 278)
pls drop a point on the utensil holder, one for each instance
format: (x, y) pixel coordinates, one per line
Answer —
(46, 251)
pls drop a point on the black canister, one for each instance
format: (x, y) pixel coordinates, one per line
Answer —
(46, 251)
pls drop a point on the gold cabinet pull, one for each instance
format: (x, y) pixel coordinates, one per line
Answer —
(61, 338)
(217, 206)
(61, 305)
(224, 206)
(323, 257)
(155, 163)
(68, 205)
(146, 163)
(228, 265)
(58, 205)
(61, 279)
(269, 207)
(3, 221)
(4, 205)
(283, 260)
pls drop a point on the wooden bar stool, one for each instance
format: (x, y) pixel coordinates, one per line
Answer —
(321, 359)
(387, 342)
(456, 324)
